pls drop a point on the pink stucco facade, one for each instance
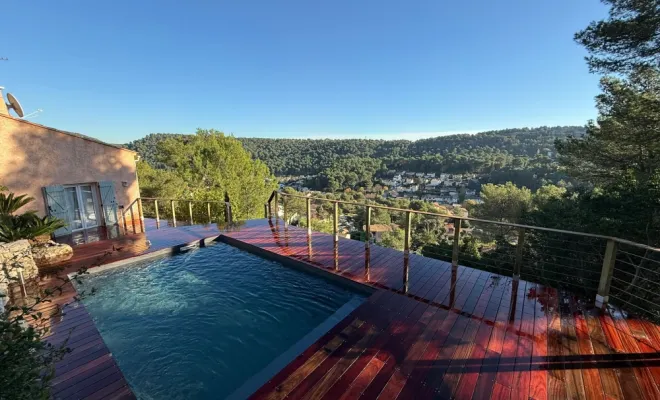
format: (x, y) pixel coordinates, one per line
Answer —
(33, 156)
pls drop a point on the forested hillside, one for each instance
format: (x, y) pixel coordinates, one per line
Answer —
(479, 153)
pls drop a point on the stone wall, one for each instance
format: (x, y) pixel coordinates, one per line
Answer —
(13, 256)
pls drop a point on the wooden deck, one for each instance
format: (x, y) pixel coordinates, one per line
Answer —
(433, 331)
(89, 371)
(428, 331)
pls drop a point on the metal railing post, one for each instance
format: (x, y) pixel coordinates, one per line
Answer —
(335, 220)
(190, 212)
(173, 213)
(228, 216)
(406, 238)
(266, 212)
(157, 216)
(309, 216)
(208, 210)
(277, 205)
(367, 226)
(141, 214)
(520, 249)
(285, 200)
(602, 297)
(457, 243)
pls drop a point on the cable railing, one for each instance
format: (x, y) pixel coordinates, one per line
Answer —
(606, 269)
(173, 212)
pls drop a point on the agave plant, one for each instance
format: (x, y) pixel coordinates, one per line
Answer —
(23, 226)
(27, 226)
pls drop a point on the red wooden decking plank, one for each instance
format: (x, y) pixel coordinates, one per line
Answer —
(642, 375)
(398, 345)
(570, 348)
(322, 371)
(505, 372)
(627, 378)
(592, 384)
(366, 376)
(299, 361)
(391, 317)
(608, 376)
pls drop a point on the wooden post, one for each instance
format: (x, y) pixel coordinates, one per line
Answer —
(335, 220)
(603, 295)
(457, 243)
(277, 205)
(406, 239)
(141, 214)
(157, 216)
(309, 216)
(367, 226)
(190, 211)
(520, 249)
(173, 213)
(123, 215)
(132, 217)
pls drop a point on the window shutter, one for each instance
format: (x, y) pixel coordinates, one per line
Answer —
(108, 202)
(56, 206)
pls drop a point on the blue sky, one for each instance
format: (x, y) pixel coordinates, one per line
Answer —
(298, 68)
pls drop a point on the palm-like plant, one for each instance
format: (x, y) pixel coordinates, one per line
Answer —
(9, 203)
(23, 226)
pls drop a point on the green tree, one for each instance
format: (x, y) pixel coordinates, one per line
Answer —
(393, 239)
(624, 144)
(627, 40)
(211, 164)
(506, 203)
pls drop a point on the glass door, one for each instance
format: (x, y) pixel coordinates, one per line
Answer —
(88, 201)
(73, 208)
(81, 204)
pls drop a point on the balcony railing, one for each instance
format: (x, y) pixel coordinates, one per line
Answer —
(606, 269)
(173, 212)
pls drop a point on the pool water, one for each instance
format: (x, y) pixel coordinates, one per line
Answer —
(200, 324)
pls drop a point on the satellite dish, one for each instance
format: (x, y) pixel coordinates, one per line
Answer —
(13, 103)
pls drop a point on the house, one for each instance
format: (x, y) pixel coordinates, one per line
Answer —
(377, 230)
(74, 177)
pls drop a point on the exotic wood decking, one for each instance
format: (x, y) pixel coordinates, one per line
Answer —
(429, 330)
(457, 333)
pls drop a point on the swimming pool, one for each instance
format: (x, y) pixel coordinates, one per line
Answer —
(201, 324)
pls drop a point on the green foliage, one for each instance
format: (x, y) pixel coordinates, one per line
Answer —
(208, 166)
(27, 226)
(624, 145)
(27, 362)
(506, 155)
(628, 39)
(9, 203)
(23, 226)
(394, 239)
(505, 203)
(350, 172)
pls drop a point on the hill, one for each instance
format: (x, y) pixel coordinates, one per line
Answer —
(483, 152)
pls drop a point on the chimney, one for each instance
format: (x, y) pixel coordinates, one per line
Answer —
(3, 105)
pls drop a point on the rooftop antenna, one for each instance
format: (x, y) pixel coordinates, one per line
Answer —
(33, 114)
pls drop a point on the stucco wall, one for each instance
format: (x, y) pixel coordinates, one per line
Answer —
(33, 156)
